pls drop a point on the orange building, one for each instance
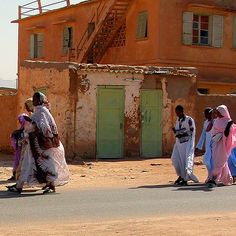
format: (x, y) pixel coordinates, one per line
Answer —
(195, 33)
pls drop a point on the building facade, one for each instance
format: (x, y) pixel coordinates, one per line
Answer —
(193, 33)
(111, 111)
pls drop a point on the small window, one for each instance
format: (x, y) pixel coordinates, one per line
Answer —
(36, 46)
(203, 91)
(67, 39)
(142, 25)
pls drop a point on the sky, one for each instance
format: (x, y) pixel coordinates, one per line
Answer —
(9, 39)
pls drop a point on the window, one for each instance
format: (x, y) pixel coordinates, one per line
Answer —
(234, 32)
(67, 39)
(200, 30)
(203, 91)
(142, 25)
(203, 29)
(36, 46)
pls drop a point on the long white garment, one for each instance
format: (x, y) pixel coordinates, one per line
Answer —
(28, 167)
(205, 136)
(183, 153)
(56, 160)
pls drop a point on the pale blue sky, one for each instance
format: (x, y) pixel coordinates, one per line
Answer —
(9, 36)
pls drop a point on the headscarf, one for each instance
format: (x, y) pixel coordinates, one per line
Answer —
(224, 111)
(21, 119)
(43, 100)
(29, 104)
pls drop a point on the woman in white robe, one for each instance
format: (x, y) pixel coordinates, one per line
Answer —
(43, 157)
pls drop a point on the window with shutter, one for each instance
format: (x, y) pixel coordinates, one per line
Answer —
(67, 39)
(202, 29)
(217, 31)
(36, 46)
(39, 45)
(142, 25)
(234, 32)
(32, 46)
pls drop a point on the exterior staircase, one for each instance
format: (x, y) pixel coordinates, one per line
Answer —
(102, 29)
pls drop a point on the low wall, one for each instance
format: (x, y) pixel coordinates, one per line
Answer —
(8, 121)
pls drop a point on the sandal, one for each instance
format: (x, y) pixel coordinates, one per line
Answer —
(10, 186)
(14, 189)
(49, 189)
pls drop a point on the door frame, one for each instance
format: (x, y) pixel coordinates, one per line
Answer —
(122, 118)
(140, 117)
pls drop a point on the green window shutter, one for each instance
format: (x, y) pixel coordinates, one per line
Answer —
(40, 45)
(142, 25)
(188, 28)
(234, 32)
(31, 46)
(65, 40)
(217, 31)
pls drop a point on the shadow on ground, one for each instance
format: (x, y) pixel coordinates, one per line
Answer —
(25, 193)
(190, 187)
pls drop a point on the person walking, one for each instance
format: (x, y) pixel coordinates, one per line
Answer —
(183, 151)
(223, 141)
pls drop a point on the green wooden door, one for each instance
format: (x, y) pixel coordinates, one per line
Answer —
(151, 119)
(110, 120)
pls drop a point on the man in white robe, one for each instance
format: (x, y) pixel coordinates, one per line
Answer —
(183, 152)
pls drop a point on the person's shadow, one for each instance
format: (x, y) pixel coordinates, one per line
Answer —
(25, 193)
(190, 187)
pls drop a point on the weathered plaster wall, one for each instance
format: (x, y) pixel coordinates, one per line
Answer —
(86, 110)
(72, 91)
(55, 80)
(9, 120)
(176, 90)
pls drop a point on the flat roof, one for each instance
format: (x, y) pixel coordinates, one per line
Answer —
(112, 68)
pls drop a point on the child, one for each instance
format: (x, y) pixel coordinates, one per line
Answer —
(16, 136)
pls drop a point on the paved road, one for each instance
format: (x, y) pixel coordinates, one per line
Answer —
(103, 204)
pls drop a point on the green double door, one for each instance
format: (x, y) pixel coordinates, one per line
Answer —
(151, 123)
(110, 122)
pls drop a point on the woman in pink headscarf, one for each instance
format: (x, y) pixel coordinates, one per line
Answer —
(223, 141)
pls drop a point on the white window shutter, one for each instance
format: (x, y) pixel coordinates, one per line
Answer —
(40, 45)
(234, 32)
(187, 28)
(142, 25)
(217, 31)
(31, 46)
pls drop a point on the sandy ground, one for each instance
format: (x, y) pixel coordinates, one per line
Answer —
(114, 173)
(111, 174)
